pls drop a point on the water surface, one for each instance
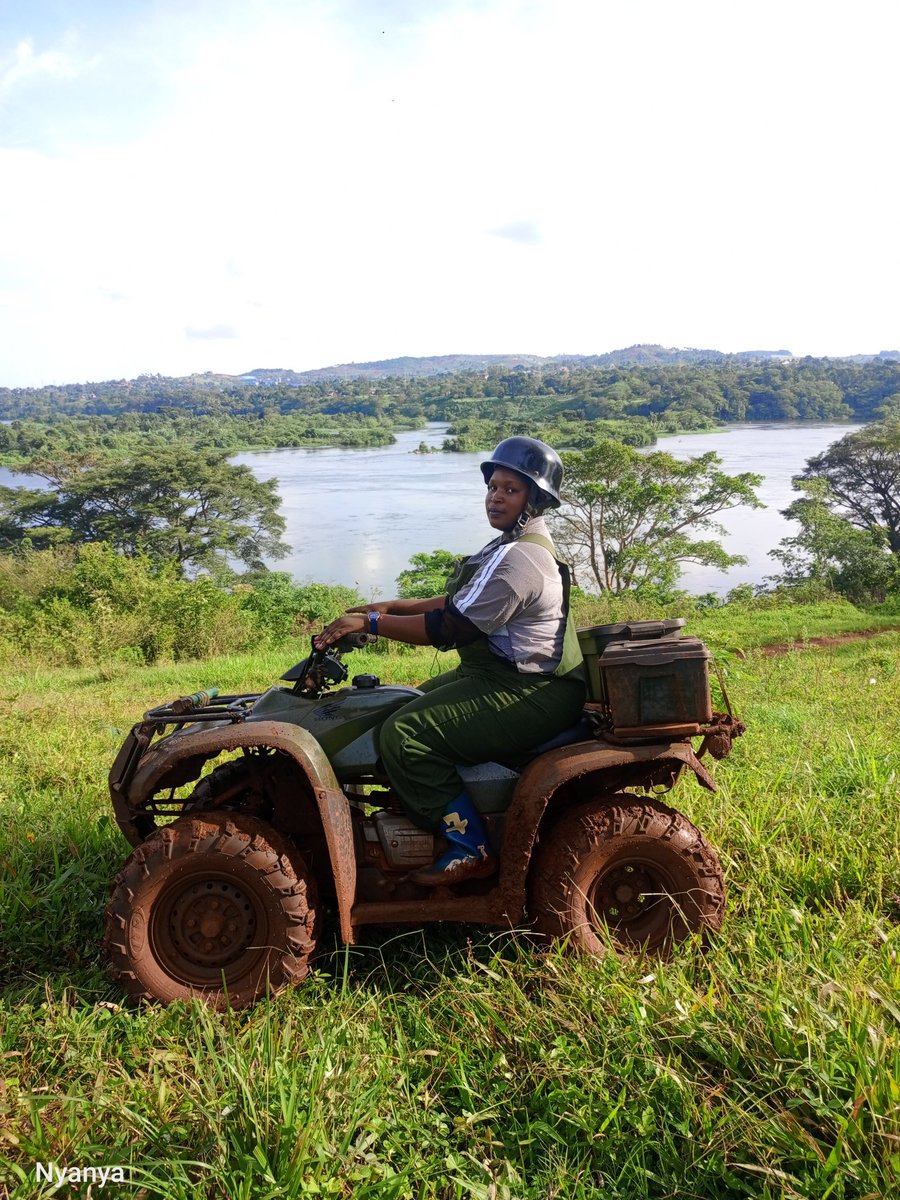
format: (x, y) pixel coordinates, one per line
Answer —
(356, 516)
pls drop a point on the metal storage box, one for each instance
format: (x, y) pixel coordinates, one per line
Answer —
(661, 682)
(594, 639)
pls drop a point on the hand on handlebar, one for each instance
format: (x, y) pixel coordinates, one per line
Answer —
(340, 627)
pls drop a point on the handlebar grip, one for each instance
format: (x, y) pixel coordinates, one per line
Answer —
(358, 640)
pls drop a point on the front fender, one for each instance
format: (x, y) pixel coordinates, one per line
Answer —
(613, 767)
(160, 763)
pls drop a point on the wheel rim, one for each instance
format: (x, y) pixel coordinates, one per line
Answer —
(208, 927)
(635, 900)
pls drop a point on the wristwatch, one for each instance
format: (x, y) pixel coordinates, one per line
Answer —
(374, 617)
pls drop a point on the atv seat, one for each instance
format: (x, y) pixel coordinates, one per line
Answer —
(581, 731)
(491, 784)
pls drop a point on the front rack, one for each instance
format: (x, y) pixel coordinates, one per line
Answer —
(200, 707)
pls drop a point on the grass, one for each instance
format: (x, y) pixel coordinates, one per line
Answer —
(746, 627)
(456, 1062)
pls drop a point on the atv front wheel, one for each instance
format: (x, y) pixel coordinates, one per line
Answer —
(217, 906)
(633, 870)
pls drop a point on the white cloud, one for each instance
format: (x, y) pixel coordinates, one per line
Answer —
(525, 232)
(331, 182)
(212, 333)
(24, 65)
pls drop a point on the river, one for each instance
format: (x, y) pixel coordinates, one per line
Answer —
(356, 516)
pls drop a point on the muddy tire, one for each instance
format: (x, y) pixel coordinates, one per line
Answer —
(629, 870)
(217, 906)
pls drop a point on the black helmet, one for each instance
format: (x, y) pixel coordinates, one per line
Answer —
(535, 460)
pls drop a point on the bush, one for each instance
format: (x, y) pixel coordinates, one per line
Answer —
(426, 575)
(79, 605)
(317, 603)
(271, 599)
(281, 608)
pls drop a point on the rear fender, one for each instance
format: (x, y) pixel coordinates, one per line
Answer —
(542, 786)
(167, 764)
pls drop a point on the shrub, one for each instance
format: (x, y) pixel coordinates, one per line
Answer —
(317, 603)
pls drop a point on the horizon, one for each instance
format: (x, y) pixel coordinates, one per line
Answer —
(771, 355)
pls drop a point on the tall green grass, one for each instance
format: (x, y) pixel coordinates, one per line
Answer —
(463, 1062)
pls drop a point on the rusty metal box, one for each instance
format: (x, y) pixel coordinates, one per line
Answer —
(594, 639)
(661, 682)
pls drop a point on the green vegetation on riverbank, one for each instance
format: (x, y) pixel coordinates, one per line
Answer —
(78, 605)
(568, 404)
(140, 433)
(460, 1062)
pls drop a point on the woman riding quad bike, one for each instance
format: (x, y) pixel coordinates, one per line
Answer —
(520, 679)
(493, 794)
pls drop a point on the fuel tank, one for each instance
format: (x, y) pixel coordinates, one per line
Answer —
(344, 723)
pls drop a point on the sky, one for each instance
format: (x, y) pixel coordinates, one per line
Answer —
(217, 185)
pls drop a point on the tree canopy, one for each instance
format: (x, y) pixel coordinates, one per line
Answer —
(862, 472)
(848, 514)
(640, 395)
(426, 575)
(629, 520)
(197, 510)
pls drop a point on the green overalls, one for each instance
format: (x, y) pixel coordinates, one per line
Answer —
(483, 710)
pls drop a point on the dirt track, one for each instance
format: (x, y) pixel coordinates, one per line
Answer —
(836, 639)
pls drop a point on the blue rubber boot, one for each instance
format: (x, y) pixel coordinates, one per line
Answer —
(469, 856)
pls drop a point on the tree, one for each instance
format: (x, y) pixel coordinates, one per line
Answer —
(830, 550)
(628, 520)
(195, 509)
(849, 516)
(862, 471)
(426, 575)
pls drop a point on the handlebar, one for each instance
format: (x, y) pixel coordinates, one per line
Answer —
(354, 641)
(323, 667)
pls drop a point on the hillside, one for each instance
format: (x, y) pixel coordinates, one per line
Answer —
(409, 367)
(663, 390)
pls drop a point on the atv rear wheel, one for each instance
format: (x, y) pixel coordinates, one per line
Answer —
(625, 868)
(217, 906)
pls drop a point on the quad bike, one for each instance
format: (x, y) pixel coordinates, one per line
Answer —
(221, 897)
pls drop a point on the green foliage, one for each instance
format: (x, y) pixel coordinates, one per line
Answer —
(830, 550)
(849, 517)
(91, 604)
(94, 605)
(127, 434)
(197, 510)
(628, 520)
(471, 434)
(862, 472)
(632, 397)
(427, 575)
(318, 603)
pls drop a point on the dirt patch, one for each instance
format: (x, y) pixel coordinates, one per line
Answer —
(836, 639)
